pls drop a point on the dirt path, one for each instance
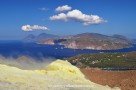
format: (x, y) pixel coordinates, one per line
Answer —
(126, 80)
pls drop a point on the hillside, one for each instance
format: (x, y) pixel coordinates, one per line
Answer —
(123, 79)
(111, 61)
(59, 75)
(97, 42)
(39, 38)
(92, 41)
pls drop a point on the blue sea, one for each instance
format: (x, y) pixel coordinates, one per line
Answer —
(39, 51)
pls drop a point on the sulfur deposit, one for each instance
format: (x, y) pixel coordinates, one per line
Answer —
(59, 75)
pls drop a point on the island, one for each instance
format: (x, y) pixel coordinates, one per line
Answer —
(92, 41)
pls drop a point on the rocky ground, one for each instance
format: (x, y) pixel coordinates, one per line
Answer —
(126, 80)
(58, 75)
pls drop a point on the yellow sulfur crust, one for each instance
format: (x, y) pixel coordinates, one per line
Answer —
(59, 75)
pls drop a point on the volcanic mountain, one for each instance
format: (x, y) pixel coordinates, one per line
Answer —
(92, 41)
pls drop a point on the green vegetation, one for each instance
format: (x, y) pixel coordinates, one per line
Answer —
(106, 60)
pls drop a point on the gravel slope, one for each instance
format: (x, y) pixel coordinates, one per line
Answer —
(126, 80)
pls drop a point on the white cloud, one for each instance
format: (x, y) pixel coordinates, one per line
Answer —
(77, 15)
(63, 8)
(34, 27)
(61, 16)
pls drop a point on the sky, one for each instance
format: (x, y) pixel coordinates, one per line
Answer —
(19, 18)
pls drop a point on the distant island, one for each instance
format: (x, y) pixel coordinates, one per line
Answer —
(92, 41)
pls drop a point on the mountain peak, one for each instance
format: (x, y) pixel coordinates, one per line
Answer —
(40, 37)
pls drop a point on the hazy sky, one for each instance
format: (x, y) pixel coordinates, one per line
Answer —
(18, 18)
